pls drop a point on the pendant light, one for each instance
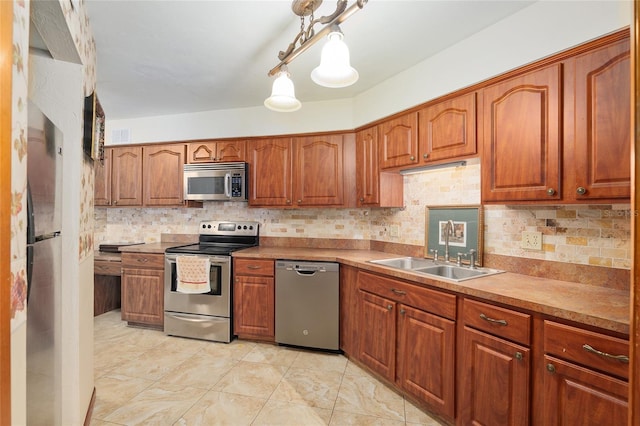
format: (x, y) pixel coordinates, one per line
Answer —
(283, 97)
(335, 68)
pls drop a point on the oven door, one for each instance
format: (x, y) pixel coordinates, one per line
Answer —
(215, 303)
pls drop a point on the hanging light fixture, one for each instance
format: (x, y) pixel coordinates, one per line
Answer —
(335, 68)
(328, 74)
(283, 96)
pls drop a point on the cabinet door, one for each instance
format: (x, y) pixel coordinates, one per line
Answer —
(448, 129)
(522, 138)
(426, 353)
(349, 308)
(270, 172)
(495, 379)
(377, 346)
(201, 152)
(230, 150)
(599, 165)
(126, 176)
(367, 167)
(102, 180)
(574, 395)
(398, 143)
(163, 169)
(254, 306)
(318, 171)
(143, 296)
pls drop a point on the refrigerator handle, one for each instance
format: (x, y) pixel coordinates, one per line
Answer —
(29, 270)
(31, 232)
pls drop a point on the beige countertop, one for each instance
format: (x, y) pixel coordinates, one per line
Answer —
(600, 307)
(154, 248)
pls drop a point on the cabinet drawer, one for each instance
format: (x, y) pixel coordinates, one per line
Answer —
(143, 260)
(501, 322)
(435, 302)
(588, 348)
(106, 268)
(261, 267)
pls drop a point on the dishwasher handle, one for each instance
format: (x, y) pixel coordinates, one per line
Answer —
(307, 269)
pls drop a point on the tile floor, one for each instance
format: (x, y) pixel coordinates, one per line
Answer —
(143, 377)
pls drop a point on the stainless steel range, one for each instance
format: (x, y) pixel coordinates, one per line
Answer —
(205, 314)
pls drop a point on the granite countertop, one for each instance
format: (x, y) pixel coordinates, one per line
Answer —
(600, 307)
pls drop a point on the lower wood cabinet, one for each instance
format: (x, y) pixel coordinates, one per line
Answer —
(143, 289)
(254, 298)
(407, 336)
(586, 377)
(495, 366)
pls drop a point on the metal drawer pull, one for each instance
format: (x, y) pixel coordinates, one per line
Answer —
(143, 260)
(621, 358)
(254, 267)
(486, 318)
(398, 292)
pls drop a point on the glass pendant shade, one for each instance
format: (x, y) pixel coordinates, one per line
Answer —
(283, 97)
(335, 65)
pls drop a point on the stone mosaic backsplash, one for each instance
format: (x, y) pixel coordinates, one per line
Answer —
(596, 235)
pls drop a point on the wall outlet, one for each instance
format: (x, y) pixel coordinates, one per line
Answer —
(531, 240)
(394, 231)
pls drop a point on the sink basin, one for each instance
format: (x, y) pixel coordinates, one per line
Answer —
(405, 262)
(429, 267)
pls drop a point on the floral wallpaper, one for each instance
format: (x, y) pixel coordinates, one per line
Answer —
(78, 25)
(19, 162)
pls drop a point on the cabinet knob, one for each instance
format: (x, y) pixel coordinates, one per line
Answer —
(299, 201)
(551, 191)
(425, 156)
(115, 202)
(389, 307)
(519, 356)
(288, 201)
(551, 368)
(412, 158)
(402, 311)
(581, 190)
(362, 200)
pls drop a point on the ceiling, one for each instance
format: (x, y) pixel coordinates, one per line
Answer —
(169, 57)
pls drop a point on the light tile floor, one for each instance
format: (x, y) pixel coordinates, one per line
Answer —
(144, 377)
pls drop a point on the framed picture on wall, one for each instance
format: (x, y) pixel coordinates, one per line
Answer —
(464, 224)
(93, 132)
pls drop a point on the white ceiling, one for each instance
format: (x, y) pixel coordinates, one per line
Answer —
(158, 57)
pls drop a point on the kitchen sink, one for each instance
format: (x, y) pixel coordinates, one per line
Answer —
(429, 267)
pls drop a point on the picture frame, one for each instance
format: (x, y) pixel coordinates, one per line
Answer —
(468, 227)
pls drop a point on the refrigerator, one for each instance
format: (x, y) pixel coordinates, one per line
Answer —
(44, 223)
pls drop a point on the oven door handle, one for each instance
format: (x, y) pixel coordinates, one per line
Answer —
(189, 318)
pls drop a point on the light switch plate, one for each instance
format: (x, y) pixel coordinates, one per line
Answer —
(531, 240)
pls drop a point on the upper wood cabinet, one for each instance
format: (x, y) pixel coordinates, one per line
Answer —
(215, 151)
(598, 124)
(163, 168)
(126, 176)
(102, 180)
(373, 187)
(448, 129)
(270, 172)
(398, 141)
(302, 172)
(521, 155)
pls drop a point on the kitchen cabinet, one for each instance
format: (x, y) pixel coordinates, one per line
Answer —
(398, 142)
(143, 289)
(598, 124)
(413, 341)
(447, 129)
(561, 133)
(349, 317)
(586, 377)
(126, 176)
(102, 180)
(522, 137)
(373, 187)
(162, 174)
(495, 366)
(215, 151)
(312, 171)
(254, 298)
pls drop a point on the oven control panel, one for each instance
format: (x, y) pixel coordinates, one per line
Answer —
(219, 227)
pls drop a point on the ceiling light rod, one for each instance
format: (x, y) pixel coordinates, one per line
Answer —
(307, 37)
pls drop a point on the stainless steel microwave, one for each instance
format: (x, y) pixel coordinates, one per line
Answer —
(216, 181)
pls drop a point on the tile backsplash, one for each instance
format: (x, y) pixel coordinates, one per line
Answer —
(597, 235)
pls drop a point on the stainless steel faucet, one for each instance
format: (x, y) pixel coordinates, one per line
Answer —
(448, 231)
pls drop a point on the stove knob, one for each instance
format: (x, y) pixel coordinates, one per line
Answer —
(251, 227)
(245, 227)
(209, 226)
(204, 225)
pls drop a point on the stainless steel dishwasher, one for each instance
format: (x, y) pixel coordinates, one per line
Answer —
(307, 304)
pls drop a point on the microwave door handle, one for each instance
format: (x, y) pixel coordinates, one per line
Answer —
(227, 185)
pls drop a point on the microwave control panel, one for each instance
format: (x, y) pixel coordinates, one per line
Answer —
(236, 185)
